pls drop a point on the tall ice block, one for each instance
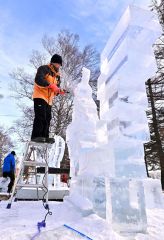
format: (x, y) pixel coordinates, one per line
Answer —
(126, 63)
(107, 155)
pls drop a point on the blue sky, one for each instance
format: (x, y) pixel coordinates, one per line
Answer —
(24, 22)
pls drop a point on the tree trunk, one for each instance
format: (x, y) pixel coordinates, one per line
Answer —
(156, 131)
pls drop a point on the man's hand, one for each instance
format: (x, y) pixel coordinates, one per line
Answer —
(62, 92)
(54, 88)
(57, 90)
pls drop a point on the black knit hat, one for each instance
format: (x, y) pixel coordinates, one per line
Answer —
(56, 59)
(13, 153)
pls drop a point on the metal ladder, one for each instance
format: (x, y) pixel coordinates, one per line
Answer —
(36, 155)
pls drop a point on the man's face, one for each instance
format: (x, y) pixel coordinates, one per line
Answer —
(56, 66)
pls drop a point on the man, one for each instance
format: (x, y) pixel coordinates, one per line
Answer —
(9, 169)
(46, 87)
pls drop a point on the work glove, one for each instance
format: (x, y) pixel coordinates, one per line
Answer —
(54, 88)
(62, 91)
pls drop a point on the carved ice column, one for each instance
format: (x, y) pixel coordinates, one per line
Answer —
(127, 62)
(91, 156)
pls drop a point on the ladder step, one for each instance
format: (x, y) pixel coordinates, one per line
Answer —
(52, 170)
(39, 144)
(30, 185)
(34, 164)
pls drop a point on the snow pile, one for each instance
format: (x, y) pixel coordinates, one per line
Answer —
(20, 222)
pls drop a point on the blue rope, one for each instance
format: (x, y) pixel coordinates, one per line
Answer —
(43, 224)
(80, 233)
(39, 225)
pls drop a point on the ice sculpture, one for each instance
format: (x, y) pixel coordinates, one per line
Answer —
(81, 133)
(85, 153)
(126, 63)
(91, 156)
(107, 155)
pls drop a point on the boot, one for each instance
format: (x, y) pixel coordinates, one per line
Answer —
(39, 139)
(50, 140)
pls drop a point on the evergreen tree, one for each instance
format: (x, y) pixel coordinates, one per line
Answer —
(154, 149)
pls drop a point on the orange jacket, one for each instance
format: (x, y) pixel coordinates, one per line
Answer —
(45, 76)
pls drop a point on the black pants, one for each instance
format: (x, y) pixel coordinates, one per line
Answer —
(11, 175)
(42, 118)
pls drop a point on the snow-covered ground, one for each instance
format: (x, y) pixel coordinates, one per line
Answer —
(20, 223)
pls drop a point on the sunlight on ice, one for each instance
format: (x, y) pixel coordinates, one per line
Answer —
(107, 155)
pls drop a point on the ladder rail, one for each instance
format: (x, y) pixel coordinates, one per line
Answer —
(36, 181)
(46, 176)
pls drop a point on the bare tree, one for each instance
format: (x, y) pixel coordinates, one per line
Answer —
(159, 8)
(5, 144)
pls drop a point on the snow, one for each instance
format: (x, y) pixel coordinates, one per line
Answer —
(20, 222)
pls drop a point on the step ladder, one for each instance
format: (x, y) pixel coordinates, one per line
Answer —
(36, 155)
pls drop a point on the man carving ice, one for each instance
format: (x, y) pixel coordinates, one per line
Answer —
(46, 87)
